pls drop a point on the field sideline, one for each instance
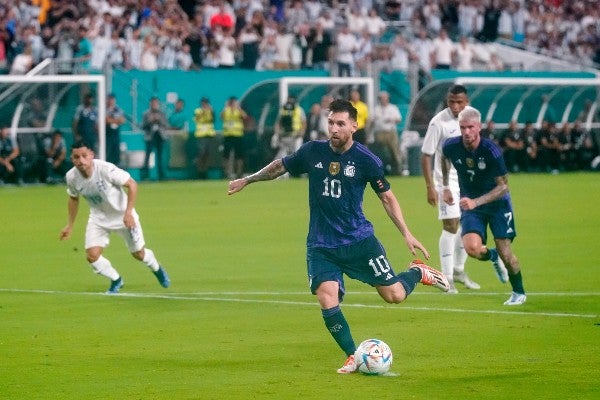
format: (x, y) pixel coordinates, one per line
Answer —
(239, 323)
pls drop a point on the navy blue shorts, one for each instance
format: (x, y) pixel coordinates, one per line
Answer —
(365, 261)
(498, 215)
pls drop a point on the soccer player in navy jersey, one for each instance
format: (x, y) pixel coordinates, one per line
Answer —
(484, 197)
(340, 239)
(442, 126)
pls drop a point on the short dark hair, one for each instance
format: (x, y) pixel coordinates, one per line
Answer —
(78, 144)
(457, 89)
(341, 105)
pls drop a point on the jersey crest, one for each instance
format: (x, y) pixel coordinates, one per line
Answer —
(481, 163)
(470, 162)
(334, 168)
(349, 170)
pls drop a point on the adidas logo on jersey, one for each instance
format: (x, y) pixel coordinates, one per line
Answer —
(319, 165)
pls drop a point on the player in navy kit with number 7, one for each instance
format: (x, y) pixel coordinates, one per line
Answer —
(484, 197)
(340, 239)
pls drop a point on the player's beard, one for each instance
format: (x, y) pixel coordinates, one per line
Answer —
(470, 141)
(338, 143)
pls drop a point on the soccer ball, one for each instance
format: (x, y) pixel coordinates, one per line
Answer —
(373, 357)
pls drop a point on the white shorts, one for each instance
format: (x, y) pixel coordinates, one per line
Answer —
(447, 211)
(97, 235)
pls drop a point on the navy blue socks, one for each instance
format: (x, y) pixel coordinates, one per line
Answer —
(340, 330)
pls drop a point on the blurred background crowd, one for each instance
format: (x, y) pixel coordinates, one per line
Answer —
(343, 36)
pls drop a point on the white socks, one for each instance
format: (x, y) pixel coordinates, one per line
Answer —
(150, 260)
(460, 255)
(103, 267)
(447, 246)
(452, 254)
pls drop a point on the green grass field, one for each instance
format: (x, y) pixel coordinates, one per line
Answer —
(239, 323)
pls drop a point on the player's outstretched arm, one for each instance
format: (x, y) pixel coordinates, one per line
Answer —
(131, 187)
(72, 208)
(269, 172)
(392, 207)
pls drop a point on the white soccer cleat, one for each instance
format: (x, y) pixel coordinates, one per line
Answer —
(349, 366)
(500, 269)
(516, 299)
(452, 289)
(465, 280)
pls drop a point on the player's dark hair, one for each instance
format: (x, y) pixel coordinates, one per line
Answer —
(341, 105)
(457, 89)
(78, 144)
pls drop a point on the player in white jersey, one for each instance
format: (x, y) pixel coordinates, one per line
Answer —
(111, 194)
(442, 126)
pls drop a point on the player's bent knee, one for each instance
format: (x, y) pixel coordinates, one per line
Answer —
(93, 254)
(392, 295)
(471, 251)
(138, 255)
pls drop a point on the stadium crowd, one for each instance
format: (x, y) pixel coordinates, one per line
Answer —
(344, 36)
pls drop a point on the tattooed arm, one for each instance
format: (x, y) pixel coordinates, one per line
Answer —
(496, 193)
(271, 171)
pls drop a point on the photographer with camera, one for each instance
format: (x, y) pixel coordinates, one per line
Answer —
(154, 124)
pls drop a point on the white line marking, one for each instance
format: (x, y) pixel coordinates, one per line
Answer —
(203, 296)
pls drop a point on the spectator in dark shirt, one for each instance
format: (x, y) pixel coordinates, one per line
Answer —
(55, 155)
(85, 122)
(515, 149)
(548, 147)
(10, 165)
(114, 119)
(530, 135)
(584, 146)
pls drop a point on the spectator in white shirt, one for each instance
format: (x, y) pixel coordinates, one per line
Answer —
(283, 45)
(467, 18)
(133, 50)
(346, 47)
(423, 47)
(183, 58)
(227, 48)
(22, 62)
(402, 53)
(375, 24)
(385, 120)
(116, 52)
(442, 51)
(362, 57)
(463, 55)
(101, 46)
(356, 21)
(149, 59)
(313, 9)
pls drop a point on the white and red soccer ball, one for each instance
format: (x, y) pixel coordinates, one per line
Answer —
(373, 357)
